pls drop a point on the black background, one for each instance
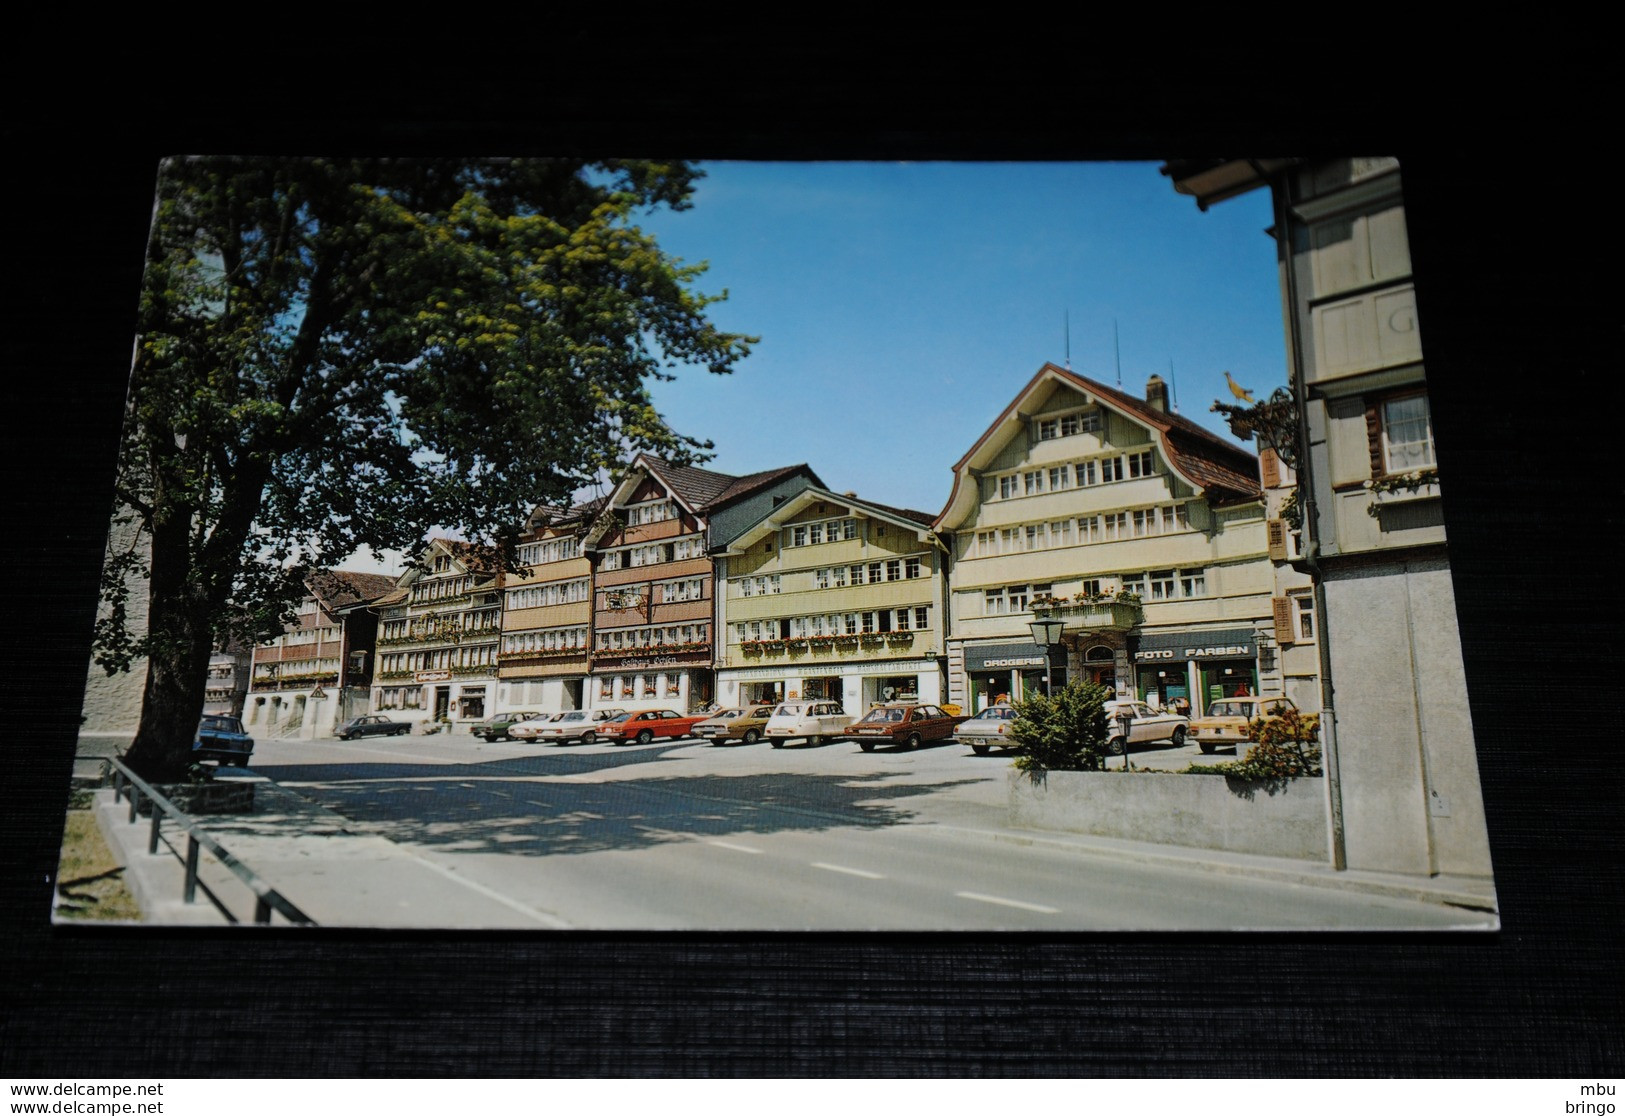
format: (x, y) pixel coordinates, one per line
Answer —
(1512, 220)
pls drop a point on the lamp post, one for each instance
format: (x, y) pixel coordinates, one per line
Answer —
(1046, 633)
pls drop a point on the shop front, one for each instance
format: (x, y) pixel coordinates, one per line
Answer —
(683, 682)
(1195, 667)
(857, 686)
(1009, 672)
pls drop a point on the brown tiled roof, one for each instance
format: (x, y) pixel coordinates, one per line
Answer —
(702, 489)
(924, 518)
(337, 588)
(478, 557)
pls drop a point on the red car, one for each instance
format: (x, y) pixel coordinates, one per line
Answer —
(903, 724)
(649, 724)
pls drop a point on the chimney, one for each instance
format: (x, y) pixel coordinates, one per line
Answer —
(1156, 394)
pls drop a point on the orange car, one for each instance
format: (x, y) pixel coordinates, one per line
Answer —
(649, 724)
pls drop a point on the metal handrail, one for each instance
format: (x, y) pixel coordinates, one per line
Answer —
(266, 897)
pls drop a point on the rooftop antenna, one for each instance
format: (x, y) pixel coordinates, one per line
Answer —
(1173, 384)
(1069, 340)
(1117, 354)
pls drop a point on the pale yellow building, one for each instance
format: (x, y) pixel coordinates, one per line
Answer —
(835, 598)
(1143, 532)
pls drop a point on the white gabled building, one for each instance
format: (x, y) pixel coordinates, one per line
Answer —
(1140, 530)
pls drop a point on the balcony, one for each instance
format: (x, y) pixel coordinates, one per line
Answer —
(1110, 614)
(832, 648)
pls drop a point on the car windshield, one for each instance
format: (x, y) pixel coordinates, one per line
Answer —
(997, 713)
(618, 717)
(879, 715)
(576, 716)
(1232, 709)
(726, 714)
(788, 709)
(222, 724)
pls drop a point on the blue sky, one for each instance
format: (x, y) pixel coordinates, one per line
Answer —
(902, 305)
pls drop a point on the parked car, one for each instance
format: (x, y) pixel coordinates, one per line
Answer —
(742, 723)
(903, 723)
(222, 738)
(649, 724)
(806, 720)
(373, 724)
(530, 726)
(497, 728)
(579, 725)
(1147, 726)
(987, 730)
(1228, 721)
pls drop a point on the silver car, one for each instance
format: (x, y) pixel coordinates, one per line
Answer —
(987, 730)
(579, 725)
(1145, 726)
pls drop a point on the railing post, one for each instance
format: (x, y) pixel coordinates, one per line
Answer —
(152, 834)
(262, 911)
(190, 891)
(135, 802)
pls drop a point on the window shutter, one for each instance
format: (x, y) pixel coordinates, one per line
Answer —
(1269, 464)
(1373, 434)
(1282, 608)
(1275, 531)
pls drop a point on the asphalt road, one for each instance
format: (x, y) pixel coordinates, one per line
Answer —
(686, 835)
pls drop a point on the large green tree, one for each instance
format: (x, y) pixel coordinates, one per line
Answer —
(336, 353)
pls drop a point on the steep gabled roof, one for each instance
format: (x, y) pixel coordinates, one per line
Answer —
(702, 490)
(781, 514)
(339, 588)
(1221, 471)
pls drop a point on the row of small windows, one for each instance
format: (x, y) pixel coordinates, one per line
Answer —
(556, 593)
(1106, 527)
(623, 687)
(551, 639)
(872, 573)
(659, 512)
(1148, 585)
(1064, 426)
(443, 625)
(553, 550)
(441, 588)
(442, 658)
(654, 554)
(1074, 474)
(672, 635)
(830, 530)
(916, 618)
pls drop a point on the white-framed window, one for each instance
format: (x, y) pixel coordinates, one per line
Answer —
(1303, 616)
(691, 547)
(995, 603)
(1142, 464)
(1034, 536)
(911, 567)
(815, 534)
(1010, 540)
(857, 574)
(1032, 482)
(1018, 595)
(1008, 487)
(774, 584)
(868, 621)
(838, 575)
(1193, 583)
(1048, 429)
(1115, 526)
(922, 617)
(1060, 478)
(747, 586)
(987, 544)
(1145, 522)
(1087, 473)
(610, 561)
(1060, 532)
(1089, 529)
(1111, 469)
(1162, 585)
(894, 569)
(874, 573)
(798, 536)
(901, 622)
(849, 529)
(1407, 434)
(1135, 583)
(850, 622)
(821, 578)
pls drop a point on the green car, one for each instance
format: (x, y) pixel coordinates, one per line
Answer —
(497, 727)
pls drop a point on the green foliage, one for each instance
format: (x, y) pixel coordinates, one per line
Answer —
(337, 353)
(1065, 732)
(1285, 747)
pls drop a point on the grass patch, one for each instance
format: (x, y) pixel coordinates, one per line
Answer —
(89, 882)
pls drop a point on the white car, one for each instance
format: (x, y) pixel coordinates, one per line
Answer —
(580, 725)
(806, 720)
(1146, 725)
(527, 729)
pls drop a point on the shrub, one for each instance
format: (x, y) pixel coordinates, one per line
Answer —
(1285, 747)
(1063, 732)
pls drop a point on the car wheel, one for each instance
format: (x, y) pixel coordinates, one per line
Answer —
(646, 737)
(751, 736)
(589, 738)
(402, 732)
(1115, 746)
(776, 742)
(867, 745)
(1178, 737)
(1207, 749)
(912, 742)
(980, 749)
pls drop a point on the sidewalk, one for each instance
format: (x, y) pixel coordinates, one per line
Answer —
(341, 878)
(304, 851)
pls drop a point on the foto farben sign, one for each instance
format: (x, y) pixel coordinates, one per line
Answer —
(1232, 643)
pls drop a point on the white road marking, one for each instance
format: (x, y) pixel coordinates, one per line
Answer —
(513, 904)
(1006, 902)
(848, 871)
(735, 848)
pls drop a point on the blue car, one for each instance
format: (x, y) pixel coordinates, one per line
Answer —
(223, 739)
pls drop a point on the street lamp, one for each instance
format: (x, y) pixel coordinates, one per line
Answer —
(1046, 633)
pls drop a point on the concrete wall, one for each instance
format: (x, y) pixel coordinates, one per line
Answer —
(1195, 811)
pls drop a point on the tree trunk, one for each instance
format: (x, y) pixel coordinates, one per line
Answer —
(182, 640)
